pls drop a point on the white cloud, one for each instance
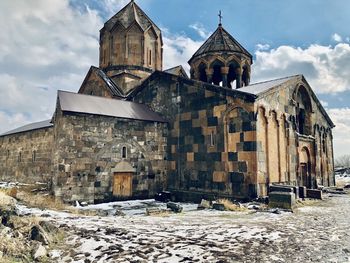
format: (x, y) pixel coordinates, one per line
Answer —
(326, 68)
(178, 49)
(337, 38)
(341, 138)
(201, 30)
(44, 47)
(262, 47)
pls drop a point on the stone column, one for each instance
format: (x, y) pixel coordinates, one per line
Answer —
(238, 78)
(224, 73)
(210, 73)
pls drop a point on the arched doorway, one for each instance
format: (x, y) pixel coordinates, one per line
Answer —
(304, 168)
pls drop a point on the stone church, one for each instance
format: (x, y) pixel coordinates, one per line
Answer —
(134, 129)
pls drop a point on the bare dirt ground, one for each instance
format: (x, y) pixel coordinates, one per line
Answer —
(316, 232)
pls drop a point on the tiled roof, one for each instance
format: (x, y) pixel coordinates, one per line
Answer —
(128, 15)
(221, 40)
(81, 103)
(30, 127)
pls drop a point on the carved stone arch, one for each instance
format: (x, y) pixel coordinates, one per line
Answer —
(116, 146)
(274, 116)
(233, 59)
(217, 59)
(304, 110)
(216, 67)
(133, 25)
(116, 27)
(151, 30)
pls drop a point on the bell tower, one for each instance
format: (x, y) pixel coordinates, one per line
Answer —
(221, 60)
(130, 47)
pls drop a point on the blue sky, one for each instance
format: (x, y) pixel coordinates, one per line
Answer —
(50, 45)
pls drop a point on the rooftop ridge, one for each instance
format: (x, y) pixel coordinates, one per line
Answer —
(266, 81)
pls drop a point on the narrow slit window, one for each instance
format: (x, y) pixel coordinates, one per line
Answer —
(20, 157)
(124, 152)
(150, 57)
(212, 139)
(34, 156)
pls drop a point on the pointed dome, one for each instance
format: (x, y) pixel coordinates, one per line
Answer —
(221, 41)
(130, 14)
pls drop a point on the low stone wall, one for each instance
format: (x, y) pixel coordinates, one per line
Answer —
(26, 157)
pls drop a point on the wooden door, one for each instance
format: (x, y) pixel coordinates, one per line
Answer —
(304, 174)
(122, 184)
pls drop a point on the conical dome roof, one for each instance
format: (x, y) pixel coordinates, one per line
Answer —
(221, 41)
(130, 14)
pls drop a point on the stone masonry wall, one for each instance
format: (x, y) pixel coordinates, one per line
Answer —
(211, 142)
(280, 145)
(88, 147)
(26, 157)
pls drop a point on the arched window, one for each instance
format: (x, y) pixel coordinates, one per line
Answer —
(217, 76)
(232, 76)
(202, 73)
(124, 152)
(304, 111)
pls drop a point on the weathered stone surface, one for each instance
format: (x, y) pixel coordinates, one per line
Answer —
(313, 193)
(285, 200)
(174, 207)
(219, 206)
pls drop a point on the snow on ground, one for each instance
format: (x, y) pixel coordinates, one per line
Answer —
(313, 233)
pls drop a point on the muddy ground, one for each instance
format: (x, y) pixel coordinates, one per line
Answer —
(318, 231)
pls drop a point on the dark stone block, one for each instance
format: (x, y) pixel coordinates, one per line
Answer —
(198, 138)
(186, 124)
(313, 193)
(241, 137)
(221, 186)
(236, 177)
(215, 156)
(218, 206)
(285, 200)
(247, 126)
(302, 192)
(212, 121)
(233, 156)
(236, 187)
(97, 184)
(242, 167)
(249, 146)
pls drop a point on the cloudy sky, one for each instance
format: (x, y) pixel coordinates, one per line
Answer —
(46, 45)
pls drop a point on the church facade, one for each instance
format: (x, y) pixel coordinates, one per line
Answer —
(134, 129)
